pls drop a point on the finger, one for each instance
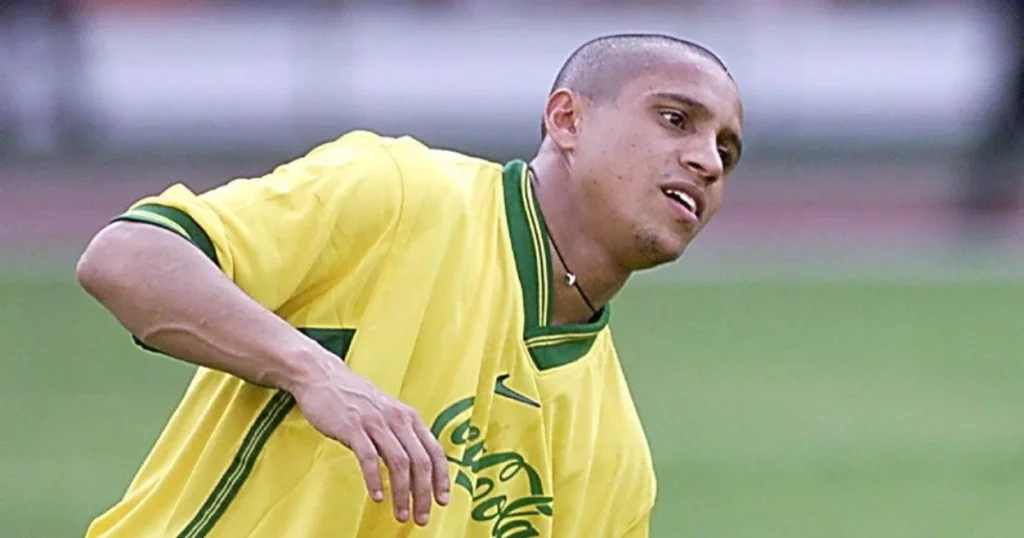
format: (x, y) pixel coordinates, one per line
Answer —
(420, 467)
(438, 461)
(397, 462)
(369, 461)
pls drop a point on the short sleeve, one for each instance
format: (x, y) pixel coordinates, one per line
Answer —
(277, 234)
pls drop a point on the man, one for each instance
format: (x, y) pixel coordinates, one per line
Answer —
(380, 302)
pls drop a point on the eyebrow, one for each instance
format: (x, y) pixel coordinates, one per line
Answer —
(681, 99)
(728, 134)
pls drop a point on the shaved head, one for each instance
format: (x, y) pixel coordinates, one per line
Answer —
(639, 134)
(598, 68)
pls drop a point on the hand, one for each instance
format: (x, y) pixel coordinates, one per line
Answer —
(350, 410)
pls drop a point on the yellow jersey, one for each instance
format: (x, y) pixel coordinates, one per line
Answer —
(428, 272)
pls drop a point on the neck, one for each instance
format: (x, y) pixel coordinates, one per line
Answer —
(582, 247)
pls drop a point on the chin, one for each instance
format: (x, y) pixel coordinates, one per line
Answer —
(660, 249)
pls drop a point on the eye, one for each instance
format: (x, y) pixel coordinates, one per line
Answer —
(726, 156)
(675, 118)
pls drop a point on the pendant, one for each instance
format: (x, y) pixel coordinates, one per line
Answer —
(570, 279)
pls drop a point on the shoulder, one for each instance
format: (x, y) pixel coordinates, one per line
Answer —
(417, 164)
(412, 180)
(441, 182)
(440, 172)
(354, 167)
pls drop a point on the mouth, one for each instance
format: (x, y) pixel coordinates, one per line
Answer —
(685, 203)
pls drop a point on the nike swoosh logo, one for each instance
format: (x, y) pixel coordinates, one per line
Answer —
(501, 390)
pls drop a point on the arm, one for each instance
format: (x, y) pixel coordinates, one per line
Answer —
(200, 282)
(165, 292)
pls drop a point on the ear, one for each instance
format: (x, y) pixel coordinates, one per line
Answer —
(562, 115)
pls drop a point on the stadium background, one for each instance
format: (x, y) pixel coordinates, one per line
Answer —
(839, 356)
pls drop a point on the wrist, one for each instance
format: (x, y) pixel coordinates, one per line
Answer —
(303, 366)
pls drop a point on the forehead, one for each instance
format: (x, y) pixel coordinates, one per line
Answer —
(695, 77)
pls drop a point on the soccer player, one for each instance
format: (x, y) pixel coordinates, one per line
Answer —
(396, 340)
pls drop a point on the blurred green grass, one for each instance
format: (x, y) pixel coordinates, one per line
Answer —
(773, 409)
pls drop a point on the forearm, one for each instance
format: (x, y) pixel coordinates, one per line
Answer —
(163, 290)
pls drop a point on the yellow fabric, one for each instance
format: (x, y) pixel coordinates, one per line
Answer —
(426, 271)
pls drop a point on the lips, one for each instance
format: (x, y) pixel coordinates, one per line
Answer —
(683, 198)
(687, 199)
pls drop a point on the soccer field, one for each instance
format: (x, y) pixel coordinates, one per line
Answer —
(773, 409)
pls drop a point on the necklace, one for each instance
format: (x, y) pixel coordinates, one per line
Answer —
(570, 277)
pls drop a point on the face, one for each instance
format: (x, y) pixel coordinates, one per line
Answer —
(650, 163)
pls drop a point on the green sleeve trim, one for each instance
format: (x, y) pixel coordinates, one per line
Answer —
(177, 221)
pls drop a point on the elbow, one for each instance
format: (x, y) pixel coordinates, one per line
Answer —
(90, 271)
(101, 267)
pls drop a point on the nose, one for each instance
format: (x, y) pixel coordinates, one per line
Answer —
(704, 162)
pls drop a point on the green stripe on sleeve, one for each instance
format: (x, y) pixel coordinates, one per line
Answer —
(176, 221)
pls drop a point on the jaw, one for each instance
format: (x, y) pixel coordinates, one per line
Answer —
(659, 246)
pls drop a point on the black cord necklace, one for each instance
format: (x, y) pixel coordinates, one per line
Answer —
(570, 277)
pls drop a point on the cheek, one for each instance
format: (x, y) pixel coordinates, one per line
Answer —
(714, 195)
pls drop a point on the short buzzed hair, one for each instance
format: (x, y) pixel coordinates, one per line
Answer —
(599, 67)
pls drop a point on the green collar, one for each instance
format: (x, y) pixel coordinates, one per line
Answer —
(549, 345)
